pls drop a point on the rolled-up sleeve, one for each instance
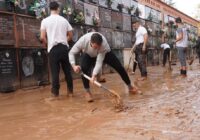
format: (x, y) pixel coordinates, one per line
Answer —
(101, 56)
(99, 63)
(78, 46)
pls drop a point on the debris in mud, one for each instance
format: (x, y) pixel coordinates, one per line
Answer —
(93, 110)
(116, 100)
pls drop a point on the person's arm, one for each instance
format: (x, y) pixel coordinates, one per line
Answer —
(145, 42)
(179, 36)
(69, 36)
(43, 34)
(98, 65)
(43, 37)
(100, 59)
(69, 31)
(75, 50)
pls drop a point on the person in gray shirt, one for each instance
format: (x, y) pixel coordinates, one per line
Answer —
(181, 45)
(96, 51)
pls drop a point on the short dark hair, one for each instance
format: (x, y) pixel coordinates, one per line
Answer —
(53, 5)
(135, 20)
(96, 38)
(178, 20)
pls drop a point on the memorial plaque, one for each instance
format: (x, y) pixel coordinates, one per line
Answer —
(33, 67)
(88, 29)
(107, 33)
(28, 28)
(7, 62)
(127, 40)
(2, 5)
(150, 27)
(157, 16)
(65, 9)
(166, 19)
(78, 31)
(142, 11)
(6, 30)
(103, 3)
(8, 69)
(115, 4)
(126, 22)
(105, 17)
(91, 13)
(134, 4)
(148, 13)
(127, 5)
(116, 20)
(117, 39)
(78, 5)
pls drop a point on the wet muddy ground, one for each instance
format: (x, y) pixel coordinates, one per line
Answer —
(168, 109)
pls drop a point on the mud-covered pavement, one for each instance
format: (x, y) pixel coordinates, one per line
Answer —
(169, 109)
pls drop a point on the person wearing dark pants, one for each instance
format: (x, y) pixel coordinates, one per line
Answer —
(96, 51)
(166, 53)
(110, 59)
(59, 56)
(56, 32)
(139, 47)
(181, 44)
(141, 59)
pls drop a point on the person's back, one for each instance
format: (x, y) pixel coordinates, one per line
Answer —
(56, 31)
(184, 41)
(56, 27)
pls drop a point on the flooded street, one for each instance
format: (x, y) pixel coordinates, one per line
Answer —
(168, 109)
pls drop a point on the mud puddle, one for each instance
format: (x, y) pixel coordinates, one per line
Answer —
(168, 109)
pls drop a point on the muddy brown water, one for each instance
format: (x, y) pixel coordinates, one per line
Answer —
(168, 109)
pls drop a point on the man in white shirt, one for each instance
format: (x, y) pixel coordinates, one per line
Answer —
(96, 51)
(181, 44)
(166, 53)
(56, 32)
(139, 47)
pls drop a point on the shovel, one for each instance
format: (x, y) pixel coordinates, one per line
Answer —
(118, 101)
(131, 57)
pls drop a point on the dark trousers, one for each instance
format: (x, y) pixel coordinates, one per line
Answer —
(141, 59)
(59, 56)
(166, 55)
(87, 63)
